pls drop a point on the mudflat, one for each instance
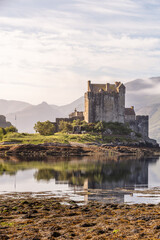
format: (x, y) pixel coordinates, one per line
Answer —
(32, 218)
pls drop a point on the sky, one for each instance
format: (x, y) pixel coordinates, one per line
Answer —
(49, 49)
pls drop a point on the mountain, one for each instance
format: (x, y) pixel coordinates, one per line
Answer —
(9, 106)
(141, 100)
(67, 109)
(26, 119)
(140, 92)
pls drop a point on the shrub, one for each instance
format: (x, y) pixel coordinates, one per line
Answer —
(90, 127)
(11, 129)
(2, 133)
(65, 126)
(118, 128)
(77, 122)
(138, 135)
(45, 128)
(99, 127)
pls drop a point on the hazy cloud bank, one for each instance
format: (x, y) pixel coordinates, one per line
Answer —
(50, 48)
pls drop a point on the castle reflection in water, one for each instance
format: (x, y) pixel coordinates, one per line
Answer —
(106, 181)
(95, 178)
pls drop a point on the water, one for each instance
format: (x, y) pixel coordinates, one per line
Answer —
(84, 179)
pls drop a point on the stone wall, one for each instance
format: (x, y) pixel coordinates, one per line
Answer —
(141, 125)
(3, 123)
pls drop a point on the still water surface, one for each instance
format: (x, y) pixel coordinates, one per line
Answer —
(84, 179)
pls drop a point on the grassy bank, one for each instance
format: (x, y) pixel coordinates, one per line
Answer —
(25, 138)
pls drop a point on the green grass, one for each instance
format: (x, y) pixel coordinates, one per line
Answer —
(25, 138)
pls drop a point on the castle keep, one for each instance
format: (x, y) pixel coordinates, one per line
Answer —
(106, 102)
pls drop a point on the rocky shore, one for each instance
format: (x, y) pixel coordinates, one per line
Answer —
(75, 149)
(23, 216)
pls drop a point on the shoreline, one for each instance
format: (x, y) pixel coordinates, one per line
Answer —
(36, 218)
(76, 149)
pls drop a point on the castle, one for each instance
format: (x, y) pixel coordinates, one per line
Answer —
(106, 102)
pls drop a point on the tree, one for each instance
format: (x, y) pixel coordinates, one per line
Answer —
(90, 127)
(45, 128)
(99, 127)
(77, 122)
(65, 126)
(11, 129)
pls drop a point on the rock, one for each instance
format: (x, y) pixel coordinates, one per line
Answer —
(108, 132)
(108, 145)
(36, 238)
(55, 234)
(151, 142)
(100, 231)
(132, 135)
(88, 224)
(157, 227)
(4, 237)
(55, 228)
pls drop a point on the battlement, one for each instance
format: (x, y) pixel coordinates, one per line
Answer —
(108, 88)
(142, 117)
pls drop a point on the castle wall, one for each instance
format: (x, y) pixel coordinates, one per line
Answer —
(3, 123)
(140, 125)
(143, 125)
(129, 118)
(121, 104)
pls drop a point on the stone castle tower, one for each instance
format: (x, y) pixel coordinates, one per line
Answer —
(105, 102)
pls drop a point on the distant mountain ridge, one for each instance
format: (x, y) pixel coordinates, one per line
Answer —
(26, 118)
(140, 92)
(9, 106)
(136, 95)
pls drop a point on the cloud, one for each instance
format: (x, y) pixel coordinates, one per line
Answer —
(56, 46)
